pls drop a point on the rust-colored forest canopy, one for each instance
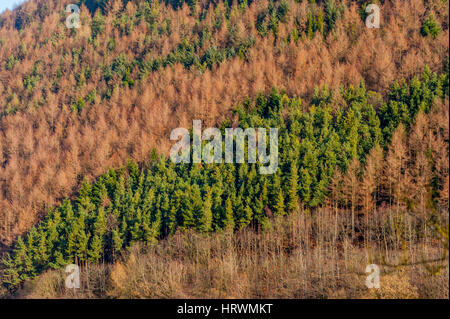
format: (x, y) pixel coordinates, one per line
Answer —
(75, 102)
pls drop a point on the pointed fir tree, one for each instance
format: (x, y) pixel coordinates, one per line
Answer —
(10, 275)
(206, 219)
(117, 242)
(292, 188)
(228, 221)
(95, 249)
(279, 205)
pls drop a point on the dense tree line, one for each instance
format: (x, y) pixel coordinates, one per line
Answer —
(62, 89)
(144, 204)
(74, 102)
(197, 49)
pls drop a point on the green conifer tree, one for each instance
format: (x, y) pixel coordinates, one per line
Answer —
(291, 188)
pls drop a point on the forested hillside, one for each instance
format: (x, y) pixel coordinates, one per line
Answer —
(133, 204)
(86, 115)
(75, 102)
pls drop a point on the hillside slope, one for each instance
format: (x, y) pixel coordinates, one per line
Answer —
(75, 102)
(330, 159)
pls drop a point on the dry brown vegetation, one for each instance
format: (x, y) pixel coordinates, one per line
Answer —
(46, 148)
(300, 256)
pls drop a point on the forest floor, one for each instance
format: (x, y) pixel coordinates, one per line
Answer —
(299, 256)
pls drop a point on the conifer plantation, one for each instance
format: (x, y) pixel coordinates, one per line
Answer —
(363, 149)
